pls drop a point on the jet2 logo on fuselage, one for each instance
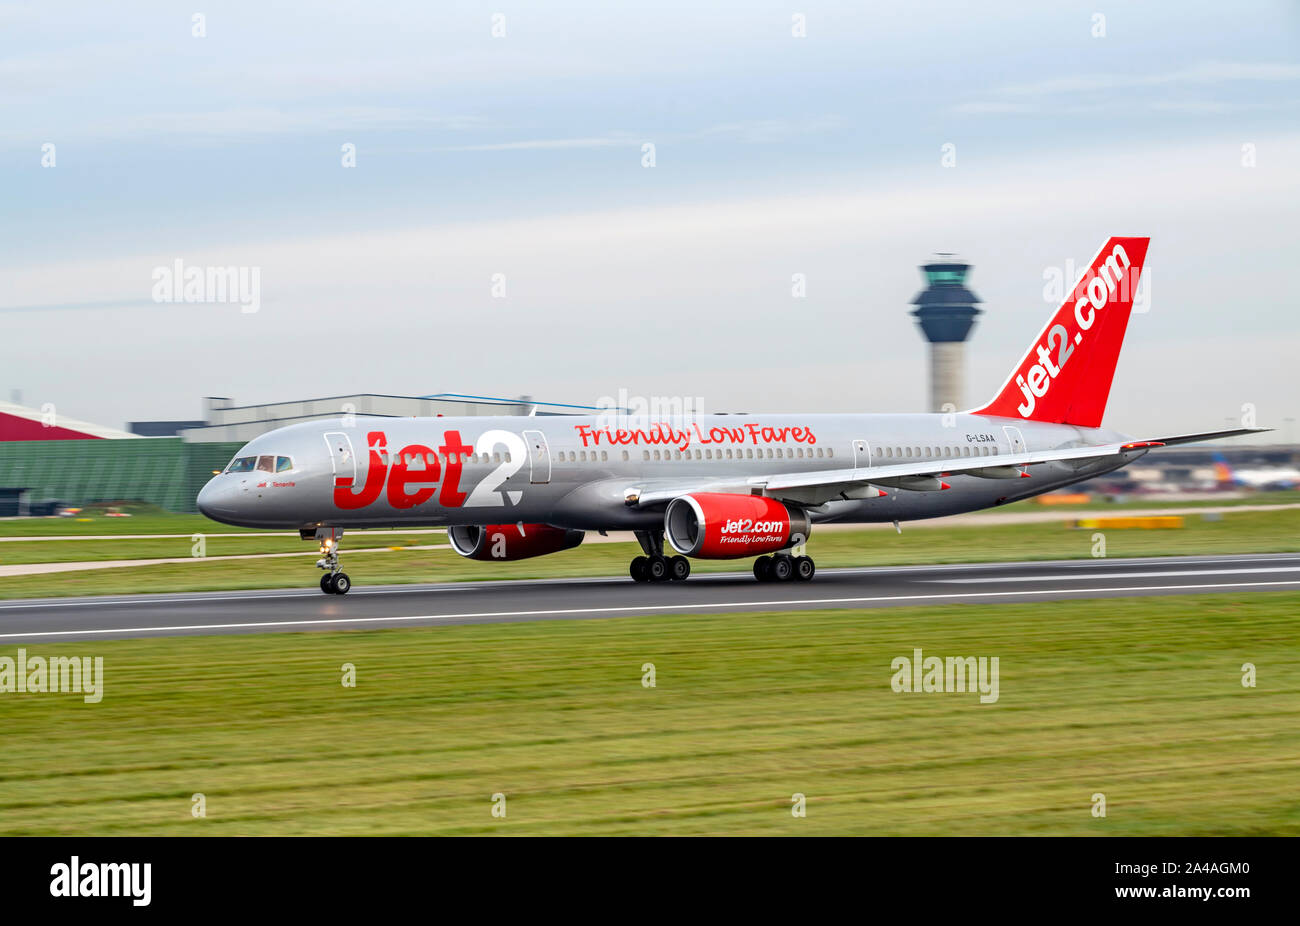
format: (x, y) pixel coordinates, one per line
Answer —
(407, 486)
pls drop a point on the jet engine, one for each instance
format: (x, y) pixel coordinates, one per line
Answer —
(504, 542)
(716, 525)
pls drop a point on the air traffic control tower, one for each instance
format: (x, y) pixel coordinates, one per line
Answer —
(946, 312)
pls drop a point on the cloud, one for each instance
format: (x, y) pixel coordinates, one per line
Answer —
(534, 144)
(247, 122)
(1209, 72)
(752, 132)
(993, 107)
(769, 131)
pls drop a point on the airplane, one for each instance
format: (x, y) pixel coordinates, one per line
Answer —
(1273, 477)
(715, 486)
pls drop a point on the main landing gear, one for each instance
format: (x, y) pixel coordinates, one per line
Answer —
(783, 567)
(654, 566)
(335, 581)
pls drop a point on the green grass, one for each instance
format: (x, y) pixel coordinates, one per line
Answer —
(1241, 532)
(144, 519)
(1140, 699)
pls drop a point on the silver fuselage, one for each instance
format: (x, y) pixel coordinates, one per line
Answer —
(577, 471)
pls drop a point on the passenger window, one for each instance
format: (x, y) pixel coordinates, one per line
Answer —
(830, 451)
(625, 456)
(645, 454)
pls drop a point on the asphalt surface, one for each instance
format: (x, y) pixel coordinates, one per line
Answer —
(197, 613)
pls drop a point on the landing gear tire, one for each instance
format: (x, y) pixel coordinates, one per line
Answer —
(804, 568)
(640, 569)
(782, 568)
(334, 581)
(679, 568)
(763, 569)
(658, 569)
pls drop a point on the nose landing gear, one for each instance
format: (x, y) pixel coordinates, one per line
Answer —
(335, 581)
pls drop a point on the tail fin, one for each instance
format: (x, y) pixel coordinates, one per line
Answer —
(1065, 375)
(1223, 474)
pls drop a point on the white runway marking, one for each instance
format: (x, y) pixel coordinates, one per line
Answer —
(1122, 575)
(698, 606)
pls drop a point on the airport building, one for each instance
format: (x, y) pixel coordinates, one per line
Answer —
(48, 461)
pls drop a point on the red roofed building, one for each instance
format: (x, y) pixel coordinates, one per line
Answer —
(20, 423)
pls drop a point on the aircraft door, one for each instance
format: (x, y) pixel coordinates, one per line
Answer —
(861, 454)
(1015, 439)
(539, 458)
(342, 458)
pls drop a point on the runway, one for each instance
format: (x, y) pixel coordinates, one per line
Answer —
(58, 619)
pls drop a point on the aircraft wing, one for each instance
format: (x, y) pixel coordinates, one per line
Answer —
(819, 486)
(1207, 435)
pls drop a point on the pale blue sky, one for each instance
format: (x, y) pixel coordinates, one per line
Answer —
(522, 155)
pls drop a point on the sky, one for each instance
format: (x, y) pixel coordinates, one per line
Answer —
(504, 231)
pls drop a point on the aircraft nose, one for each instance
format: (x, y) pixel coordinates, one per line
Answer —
(214, 499)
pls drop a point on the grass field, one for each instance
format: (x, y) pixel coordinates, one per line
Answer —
(1139, 699)
(1236, 532)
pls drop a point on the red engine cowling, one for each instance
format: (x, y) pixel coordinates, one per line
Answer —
(715, 525)
(503, 542)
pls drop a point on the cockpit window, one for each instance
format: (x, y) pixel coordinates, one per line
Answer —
(283, 464)
(242, 465)
(266, 464)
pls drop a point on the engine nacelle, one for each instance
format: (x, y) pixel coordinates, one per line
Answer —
(504, 542)
(715, 525)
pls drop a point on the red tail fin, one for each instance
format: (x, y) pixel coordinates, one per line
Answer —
(1065, 376)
